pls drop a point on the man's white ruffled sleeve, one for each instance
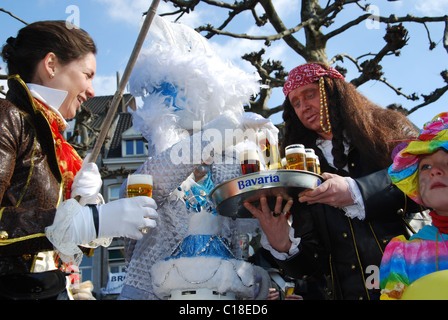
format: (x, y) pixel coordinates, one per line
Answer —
(294, 249)
(357, 209)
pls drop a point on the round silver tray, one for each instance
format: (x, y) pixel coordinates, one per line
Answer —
(229, 196)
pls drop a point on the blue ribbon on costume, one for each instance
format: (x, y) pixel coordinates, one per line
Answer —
(198, 195)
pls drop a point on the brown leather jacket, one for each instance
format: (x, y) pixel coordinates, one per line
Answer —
(30, 180)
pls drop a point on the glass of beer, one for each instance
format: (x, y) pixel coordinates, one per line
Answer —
(295, 157)
(139, 185)
(318, 165)
(311, 160)
(250, 162)
(270, 152)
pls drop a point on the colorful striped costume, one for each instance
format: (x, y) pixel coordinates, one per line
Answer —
(405, 261)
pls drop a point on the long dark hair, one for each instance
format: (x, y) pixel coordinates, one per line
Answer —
(368, 127)
(37, 39)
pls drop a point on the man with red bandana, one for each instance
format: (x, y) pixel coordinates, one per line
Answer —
(339, 230)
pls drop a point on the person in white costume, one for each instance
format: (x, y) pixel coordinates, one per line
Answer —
(203, 266)
(192, 100)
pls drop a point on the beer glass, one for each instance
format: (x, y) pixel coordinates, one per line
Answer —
(270, 152)
(250, 162)
(295, 157)
(289, 288)
(311, 160)
(139, 185)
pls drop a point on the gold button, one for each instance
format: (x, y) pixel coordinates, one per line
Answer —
(344, 235)
(353, 267)
(3, 235)
(400, 211)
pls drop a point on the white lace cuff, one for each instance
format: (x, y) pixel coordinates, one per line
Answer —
(60, 233)
(357, 209)
(294, 249)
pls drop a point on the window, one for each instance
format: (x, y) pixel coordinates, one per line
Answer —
(116, 260)
(116, 270)
(133, 144)
(114, 192)
(86, 269)
(135, 147)
(139, 145)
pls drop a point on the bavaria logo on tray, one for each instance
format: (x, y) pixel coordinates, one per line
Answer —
(250, 182)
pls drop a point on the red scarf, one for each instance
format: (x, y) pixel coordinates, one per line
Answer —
(440, 222)
(68, 159)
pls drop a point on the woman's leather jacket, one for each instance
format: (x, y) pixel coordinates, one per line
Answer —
(30, 180)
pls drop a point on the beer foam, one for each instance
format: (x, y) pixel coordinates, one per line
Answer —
(140, 179)
(294, 148)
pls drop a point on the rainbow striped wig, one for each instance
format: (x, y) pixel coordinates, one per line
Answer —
(404, 170)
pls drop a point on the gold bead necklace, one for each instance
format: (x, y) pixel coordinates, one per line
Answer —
(324, 107)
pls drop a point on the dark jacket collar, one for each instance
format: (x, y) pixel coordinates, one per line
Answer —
(20, 96)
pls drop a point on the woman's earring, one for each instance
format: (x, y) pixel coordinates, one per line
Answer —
(52, 76)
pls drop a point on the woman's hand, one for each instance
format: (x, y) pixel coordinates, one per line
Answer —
(274, 223)
(334, 191)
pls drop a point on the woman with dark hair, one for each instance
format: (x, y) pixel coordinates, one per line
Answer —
(42, 226)
(340, 229)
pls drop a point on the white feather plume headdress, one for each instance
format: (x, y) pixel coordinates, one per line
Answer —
(181, 80)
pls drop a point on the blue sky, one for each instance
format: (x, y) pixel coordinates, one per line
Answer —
(114, 25)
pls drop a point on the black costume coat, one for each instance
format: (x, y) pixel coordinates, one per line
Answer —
(337, 255)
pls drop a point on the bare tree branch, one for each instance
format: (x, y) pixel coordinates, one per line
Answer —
(278, 25)
(398, 91)
(274, 37)
(433, 96)
(314, 18)
(445, 36)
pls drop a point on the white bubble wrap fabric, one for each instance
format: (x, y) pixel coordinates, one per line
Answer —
(172, 224)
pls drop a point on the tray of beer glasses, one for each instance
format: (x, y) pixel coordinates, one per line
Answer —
(230, 195)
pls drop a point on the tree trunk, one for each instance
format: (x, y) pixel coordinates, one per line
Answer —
(316, 43)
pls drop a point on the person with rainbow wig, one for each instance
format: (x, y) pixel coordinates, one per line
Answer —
(420, 170)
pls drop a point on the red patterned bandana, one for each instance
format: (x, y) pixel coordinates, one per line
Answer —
(306, 74)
